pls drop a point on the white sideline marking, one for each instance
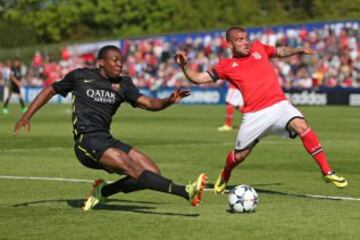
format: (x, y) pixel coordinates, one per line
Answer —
(31, 149)
(206, 189)
(151, 146)
(300, 195)
(47, 179)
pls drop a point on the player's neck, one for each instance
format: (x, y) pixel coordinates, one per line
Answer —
(240, 55)
(103, 74)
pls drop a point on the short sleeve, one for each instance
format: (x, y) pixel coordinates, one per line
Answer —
(131, 93)
(270, 50)
(217, 72)
(65, 85)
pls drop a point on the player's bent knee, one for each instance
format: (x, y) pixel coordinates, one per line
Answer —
(153, 168)
(299, 125)
(241, 155)
(121, 162)
(144, 161)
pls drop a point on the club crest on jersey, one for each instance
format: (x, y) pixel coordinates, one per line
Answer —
(234, 64)
(115, 87)
(256, 55)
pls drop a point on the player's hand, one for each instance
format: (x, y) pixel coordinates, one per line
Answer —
(23, 122)
(308, 51)
(181, 58)
(179, 94)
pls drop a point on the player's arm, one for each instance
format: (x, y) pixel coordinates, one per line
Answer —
(41, 99)
(283, 52)
(181, 58)
(157, 104)
(15, 80)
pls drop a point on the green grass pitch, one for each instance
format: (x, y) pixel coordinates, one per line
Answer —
(184, 142)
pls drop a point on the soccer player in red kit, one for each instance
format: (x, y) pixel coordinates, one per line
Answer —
(266, 110)
(233, 100)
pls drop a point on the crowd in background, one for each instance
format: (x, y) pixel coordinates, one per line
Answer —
(150, 63)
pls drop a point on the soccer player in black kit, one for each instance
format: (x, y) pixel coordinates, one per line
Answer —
(14, 86)
(97, 94)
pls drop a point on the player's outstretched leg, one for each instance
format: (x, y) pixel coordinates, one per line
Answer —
(147, 180)
(95, 196)
(196, 189)
(337, 180)
(314, 148)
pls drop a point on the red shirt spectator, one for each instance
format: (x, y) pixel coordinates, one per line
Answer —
(51, 73)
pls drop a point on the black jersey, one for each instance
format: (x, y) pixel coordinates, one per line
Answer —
(16, 72)
(95, 98)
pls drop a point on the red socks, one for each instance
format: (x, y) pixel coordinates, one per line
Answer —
(229, 166)
(314, 148)
(229, 114)
(311, 144)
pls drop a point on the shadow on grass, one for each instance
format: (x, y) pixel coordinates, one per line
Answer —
(110, 206)
(211, 185)
(299, 195)
(272, 192)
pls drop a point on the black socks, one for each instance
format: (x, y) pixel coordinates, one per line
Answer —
(146, 180)
(125, 185)
(156, 182)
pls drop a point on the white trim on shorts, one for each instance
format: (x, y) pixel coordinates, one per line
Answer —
(272, 120)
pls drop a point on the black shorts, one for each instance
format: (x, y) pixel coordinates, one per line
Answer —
(89, 147)
(14, 88)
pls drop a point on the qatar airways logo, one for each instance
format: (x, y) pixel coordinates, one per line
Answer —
(101, 96)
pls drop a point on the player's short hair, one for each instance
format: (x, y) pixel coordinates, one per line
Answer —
(104, 50)
(228, 32)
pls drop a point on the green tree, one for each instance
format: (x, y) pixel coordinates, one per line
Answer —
(59, 20)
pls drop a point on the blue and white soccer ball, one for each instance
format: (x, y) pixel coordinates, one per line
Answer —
(243, 198)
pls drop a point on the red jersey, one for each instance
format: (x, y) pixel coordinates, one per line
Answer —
(253, 75)
(231, 86)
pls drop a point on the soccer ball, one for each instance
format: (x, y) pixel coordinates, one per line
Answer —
(243, 198)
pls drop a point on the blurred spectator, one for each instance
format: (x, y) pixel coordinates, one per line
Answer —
(51, 72)
(5, 72)
(150, 63)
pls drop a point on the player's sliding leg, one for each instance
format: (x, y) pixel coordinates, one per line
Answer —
(102, 190)
(314, 148)
(147, 180)
(232, 160)
(95, 197)
(196, 189)
(124, 185)
(120, 162)
(191, 192)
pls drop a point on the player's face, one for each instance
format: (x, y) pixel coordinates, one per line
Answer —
(17, 63)
(112, 64)
(239, 43)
